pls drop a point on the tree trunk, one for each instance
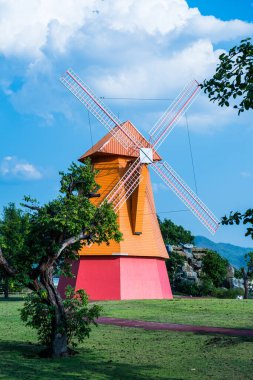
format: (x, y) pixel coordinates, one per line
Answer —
(59, 342)
(6, 287)
(245, 284)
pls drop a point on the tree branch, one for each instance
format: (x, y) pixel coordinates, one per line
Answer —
(36, 208)
(72, 240)
(5, 265)
(50, 260)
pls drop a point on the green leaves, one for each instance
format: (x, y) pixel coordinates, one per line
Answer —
(232, 84)
(44, 240)
(38, 314)
(214, 267)
(238, 217)
(173, 234)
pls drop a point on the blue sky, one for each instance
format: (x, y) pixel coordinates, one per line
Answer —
(122, 49)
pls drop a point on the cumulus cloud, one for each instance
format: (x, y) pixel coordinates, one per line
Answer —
(12, 167)
(145, 48)
(28, 26)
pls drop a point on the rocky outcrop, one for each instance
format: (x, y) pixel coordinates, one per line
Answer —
(192, 266)
(193, 256)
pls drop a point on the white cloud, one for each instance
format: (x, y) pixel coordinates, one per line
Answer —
(157, 186)
(217, 30)
(150, 16)
(246, 174)
(207, 118)
(26, 25)
(144, 48)
(11, 166)
(156, 76)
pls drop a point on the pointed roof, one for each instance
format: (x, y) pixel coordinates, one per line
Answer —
(109, 145)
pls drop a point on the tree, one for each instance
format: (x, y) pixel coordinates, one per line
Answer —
(173, 234)
(246, 273)
(13, 230)
(233, 78)
(245, 218)
(214, 267)
(238, 217)
(174, 265)
(57, 231)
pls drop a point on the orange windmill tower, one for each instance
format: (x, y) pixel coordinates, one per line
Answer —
(134, 268)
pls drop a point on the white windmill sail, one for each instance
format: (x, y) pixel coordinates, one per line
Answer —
(131, 179)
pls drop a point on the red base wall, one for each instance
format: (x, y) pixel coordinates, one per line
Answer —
(120, 278)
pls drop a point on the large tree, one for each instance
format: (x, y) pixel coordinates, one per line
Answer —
(173, 234)
(214, 267)
(247, 219)
(246, 273)
(14, 226)
(174, 265)
(233, 80)
(56, 232)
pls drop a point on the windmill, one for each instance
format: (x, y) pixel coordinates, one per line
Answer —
(134, 268)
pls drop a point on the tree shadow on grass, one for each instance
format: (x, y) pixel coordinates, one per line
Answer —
(21, 361)
(226, 341)
(11, 299)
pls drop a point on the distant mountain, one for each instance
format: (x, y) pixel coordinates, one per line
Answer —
(233, 253)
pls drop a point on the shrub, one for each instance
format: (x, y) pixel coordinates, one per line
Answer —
(227, 293)
(37, 314)
(189, 288)
(206, 286)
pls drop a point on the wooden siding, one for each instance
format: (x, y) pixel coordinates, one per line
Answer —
(138, 200)
(150, 242)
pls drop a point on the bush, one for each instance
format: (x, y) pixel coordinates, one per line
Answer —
(189, 288)
(205, 288)
(38, 314)
(227, 293)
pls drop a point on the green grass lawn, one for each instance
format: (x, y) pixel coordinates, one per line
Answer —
(124, 353)
(205, 312)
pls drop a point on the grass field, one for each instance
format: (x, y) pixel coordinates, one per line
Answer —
(123, 353)
(205, 312)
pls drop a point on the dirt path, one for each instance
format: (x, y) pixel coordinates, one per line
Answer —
(174, 327)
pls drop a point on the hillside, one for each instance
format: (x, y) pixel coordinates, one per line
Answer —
(233, 253)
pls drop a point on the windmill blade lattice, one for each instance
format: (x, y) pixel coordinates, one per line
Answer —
(187, 196)
(173, 114)
(131, 179)
(126, 186)
(105, 116)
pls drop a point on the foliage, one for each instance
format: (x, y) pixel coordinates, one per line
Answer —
(233, 78)
(45, 239)
(174, 265)
(248, 258)
(238, 273)
(246, 218)
(173, 234)
(38, 315)
(238, 217)
(249, 262)
(14, 227)
(204, 288)
(227, 293)
(214, 267)
(189, 288)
